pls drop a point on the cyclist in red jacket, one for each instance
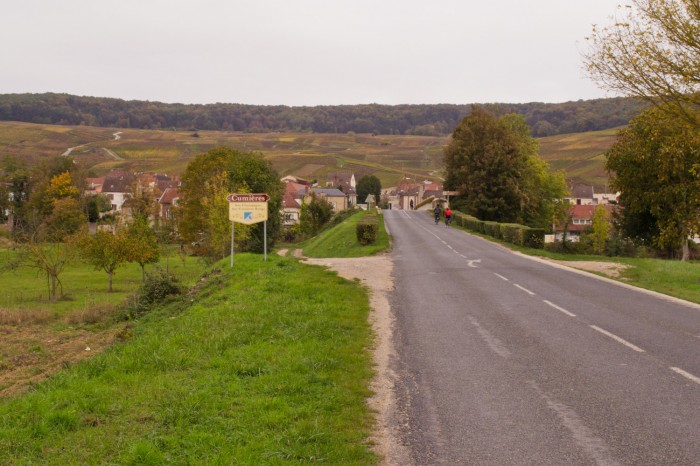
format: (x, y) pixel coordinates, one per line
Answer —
(448, 216)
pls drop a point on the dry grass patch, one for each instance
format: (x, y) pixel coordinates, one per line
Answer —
(25, 316)
(91, 315)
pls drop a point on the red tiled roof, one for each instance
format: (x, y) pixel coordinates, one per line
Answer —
(289, 202)
(169, 195)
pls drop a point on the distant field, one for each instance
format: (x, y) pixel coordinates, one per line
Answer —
(580, 155)
(312, 156)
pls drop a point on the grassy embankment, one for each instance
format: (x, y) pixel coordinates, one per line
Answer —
(267, 364)
(670, 277)
(341, 240)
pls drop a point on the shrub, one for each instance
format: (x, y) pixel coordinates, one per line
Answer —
(367, 230)
(533, 237)
(158, 286)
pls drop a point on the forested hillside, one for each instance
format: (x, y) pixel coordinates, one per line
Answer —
(427, 120)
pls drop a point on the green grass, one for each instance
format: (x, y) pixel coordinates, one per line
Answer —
(268, 364)
(670, 277)
(341, 241)
(83, 286)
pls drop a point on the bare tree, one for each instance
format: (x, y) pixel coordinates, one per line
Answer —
(651, 51)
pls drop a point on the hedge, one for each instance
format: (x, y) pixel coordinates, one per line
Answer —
(509, 232)
(367, 229)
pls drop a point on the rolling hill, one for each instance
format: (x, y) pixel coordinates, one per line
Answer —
(309, 155)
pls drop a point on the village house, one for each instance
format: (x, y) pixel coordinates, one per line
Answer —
(584, 194)
(334, 196)
(167, 201)
(409, 193)
(344, 182)
(118, 186)
(580, 220)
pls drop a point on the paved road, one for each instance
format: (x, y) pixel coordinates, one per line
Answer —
(505, 360)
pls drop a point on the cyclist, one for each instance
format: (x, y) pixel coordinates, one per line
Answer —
(437, 213)
(448, 216)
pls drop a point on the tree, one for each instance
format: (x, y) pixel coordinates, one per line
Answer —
(653, 52)
(654, 164)
(50, 259)
(66, 218)
(142, 245)
(601, 229)
(314, 215)
(494, 164)
(242, 172)
(97, 204)
(369, 184)
(61, 187)
(543, 190)
(105, 251)
(217, 240)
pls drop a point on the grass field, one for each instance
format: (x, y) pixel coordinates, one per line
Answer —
(268, 364)
(579, 155)
(83, 286)
(39, 336)
(308, 155)
(341, 241)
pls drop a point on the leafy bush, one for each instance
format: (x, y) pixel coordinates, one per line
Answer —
(367, 230)
(533, 237)
(158, 286)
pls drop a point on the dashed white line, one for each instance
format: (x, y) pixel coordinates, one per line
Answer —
(524, 289)
(560, 309)
(617, 339)
(493, 342)
(500, 276)
(687, 375)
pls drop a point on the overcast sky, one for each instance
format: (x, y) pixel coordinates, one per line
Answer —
(302, 52)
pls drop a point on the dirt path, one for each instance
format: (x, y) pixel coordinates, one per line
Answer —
(31, 353)
(611, 269)
(376, 274)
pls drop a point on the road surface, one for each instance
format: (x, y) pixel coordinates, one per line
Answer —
(502, 359)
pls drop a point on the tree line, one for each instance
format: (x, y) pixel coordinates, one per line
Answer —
(544, 119)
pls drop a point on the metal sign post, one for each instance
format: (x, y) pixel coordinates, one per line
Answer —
(232, 231)
(247, 209)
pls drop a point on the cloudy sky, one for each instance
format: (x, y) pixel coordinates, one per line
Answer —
(302, 52)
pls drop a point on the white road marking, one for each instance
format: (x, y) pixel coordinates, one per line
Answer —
(470, 263)
(583, 435)
(617, 339)
(560, 309)
(687, 375)
(494, 343)
(501, 276)
(524, 289)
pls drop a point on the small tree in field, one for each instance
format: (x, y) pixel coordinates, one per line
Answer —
(142, 244)
(601, 229)
(105, 251)
(50, 260)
